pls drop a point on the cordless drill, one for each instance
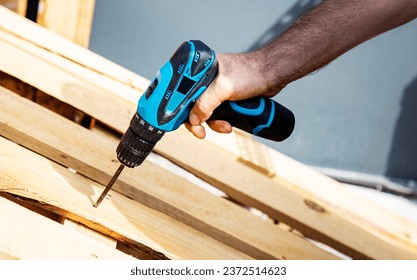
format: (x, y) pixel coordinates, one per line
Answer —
(167, 102)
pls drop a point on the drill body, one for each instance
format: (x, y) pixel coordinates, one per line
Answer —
(167, 102)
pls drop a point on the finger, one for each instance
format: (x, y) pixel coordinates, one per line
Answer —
(197, 130)
(220, 126)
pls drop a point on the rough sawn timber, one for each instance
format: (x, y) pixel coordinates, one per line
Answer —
(31, 176)
(28, 235)
(93, 156)
(109, 94)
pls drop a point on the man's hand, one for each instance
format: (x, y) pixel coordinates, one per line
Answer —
(314, 40)
(239, 77)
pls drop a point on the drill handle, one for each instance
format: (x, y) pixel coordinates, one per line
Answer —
(259, 116)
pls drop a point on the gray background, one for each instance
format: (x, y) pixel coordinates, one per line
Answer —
(358, 114)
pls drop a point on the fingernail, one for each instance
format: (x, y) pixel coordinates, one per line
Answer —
(194, 120)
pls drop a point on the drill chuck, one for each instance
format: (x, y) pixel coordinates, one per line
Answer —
(137, 142)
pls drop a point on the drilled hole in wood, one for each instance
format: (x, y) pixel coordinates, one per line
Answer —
(314, 206)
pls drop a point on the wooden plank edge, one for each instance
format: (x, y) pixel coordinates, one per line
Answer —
(285, 202)
(63, 47)
(6, 256)
(27, 235)
(123, 219)
(39, 135)
(105, 118)
(331, 194)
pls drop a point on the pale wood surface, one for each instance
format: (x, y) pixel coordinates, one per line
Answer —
(28, 235)
(10, 4)
(26, 174)
(74, 226)
(21, 7)
(62, 47)
(5, 256)
(335, 196)
(112, 100)
(341, 228)
(94, 156)
(67, 80)
(70, 18)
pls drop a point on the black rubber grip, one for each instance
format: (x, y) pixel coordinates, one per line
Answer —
(259, 116)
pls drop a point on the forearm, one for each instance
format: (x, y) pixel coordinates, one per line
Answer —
(320, 36)
(314, 40)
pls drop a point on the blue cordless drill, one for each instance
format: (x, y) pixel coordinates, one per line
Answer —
(167, 102)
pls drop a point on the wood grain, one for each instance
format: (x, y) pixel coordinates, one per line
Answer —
(110, 96)
(92, 155)
(31, 176)
(28, 235)
(70, 18)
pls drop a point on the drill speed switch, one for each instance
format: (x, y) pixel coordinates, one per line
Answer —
(167, 102)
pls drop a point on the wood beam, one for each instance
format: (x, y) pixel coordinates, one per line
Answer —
(10, 4)
(70, 18)
(92, 155)
(31, 176)
(345, 230)
(47, 40)
(112, 100)
(28, 235)
(6, 256)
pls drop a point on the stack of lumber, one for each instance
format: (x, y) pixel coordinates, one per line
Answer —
(52, 170)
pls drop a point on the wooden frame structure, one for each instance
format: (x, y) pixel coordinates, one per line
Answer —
(56, 168)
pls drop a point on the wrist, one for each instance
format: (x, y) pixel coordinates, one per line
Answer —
(241, 75)
(278, 66)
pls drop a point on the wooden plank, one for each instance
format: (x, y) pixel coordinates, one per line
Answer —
(35, 208)
(39, 97)
(62, 47)
(9, 4)
(70, 18)
(21, 7)
(67, 80)
(70, 224)
(241, 146)
(17, 86)
(342, 229)
(27, 235)
(337, 197)
(26, 174)
(94, 156)
(6, 256)
(101, 96)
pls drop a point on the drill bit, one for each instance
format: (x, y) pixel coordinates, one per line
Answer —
(109, 185)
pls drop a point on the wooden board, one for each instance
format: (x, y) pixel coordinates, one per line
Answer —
(28, 235)
(341, 229)
(46, 40)
(10, 4)
(74, 226)
(6, 256)
(28, 175)
(106, 97)
(331, 194)
(70, 18)
(68, 80)
(94, 156)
